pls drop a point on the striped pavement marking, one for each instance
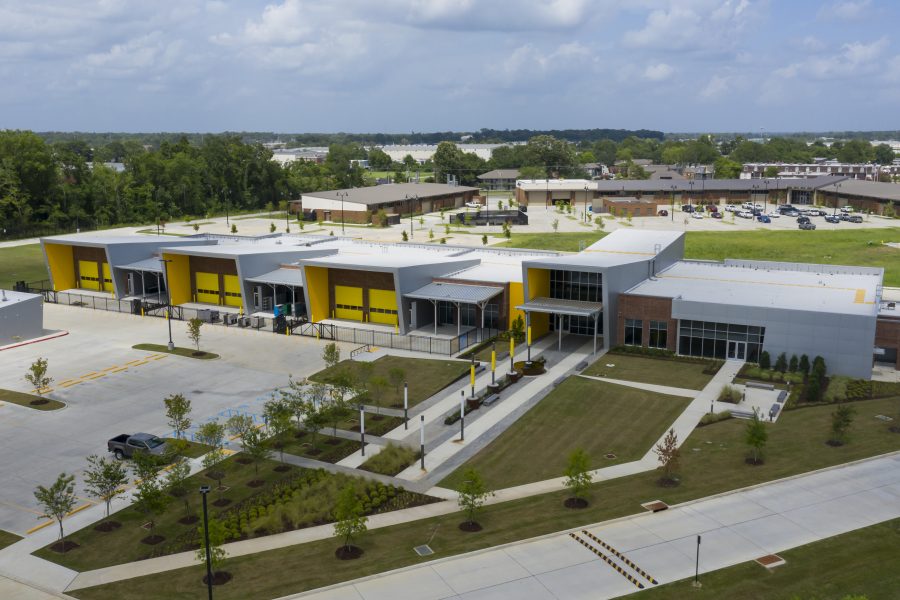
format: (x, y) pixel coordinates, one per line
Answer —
(621, 557)
(609, 561)
(156, 357)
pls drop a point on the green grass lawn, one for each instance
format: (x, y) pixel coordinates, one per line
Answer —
(796, 445)
(646, 369)
(426, 377)
(325, 447)
(188, 352)
(564, 242)
(22, 263)
(599, 417)
(859, 563)
(25, 399)
(8, 539)
(375, 424)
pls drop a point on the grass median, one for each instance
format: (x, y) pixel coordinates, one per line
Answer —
(687, 373)
(8, 539)
(188, 352)
(796, 445)
(601, 418)
(30, 400)
(22, 263)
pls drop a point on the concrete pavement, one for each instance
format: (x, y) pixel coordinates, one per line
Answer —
(736, 527)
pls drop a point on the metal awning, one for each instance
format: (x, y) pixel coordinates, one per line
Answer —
(282, 276)
(150, 265)
(556, 306)
(455, 292)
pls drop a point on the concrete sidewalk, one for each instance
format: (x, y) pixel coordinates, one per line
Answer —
(650, 387)
(736, 527)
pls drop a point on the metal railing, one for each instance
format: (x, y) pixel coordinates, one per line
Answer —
(395, 341)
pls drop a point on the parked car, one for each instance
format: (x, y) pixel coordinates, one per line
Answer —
(124, 445)
(774, 214)
(802, 220)
(763, 219)
(696, 215)
(716, 215)
(791, 213)
(855, 219)
(745, 214)
(663, 213)
(712, 208)
(832, 219)
(473, 204)
(730, 207)
(807, 226)
(847, 209)
(844, 217)
(687, 208)
(750, 205)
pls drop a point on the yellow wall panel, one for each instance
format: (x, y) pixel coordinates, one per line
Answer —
(516, 297)
(539, 285)
(62, 266)
(179, 277)
(349, 314)
(316, 282)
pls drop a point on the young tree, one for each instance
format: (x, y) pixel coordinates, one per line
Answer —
(404, 236)
(176, 482)
(212, 433)
(278, 421)
(193, 330)
(376, 388)
(272, 228)
(254, 444)
(756, 437)
(234, 228)
(484, 239)
(803, 365)
(217, 553)
(150, 499)
(841, 419)
(104, 479)
(37, 375)
(396, 376)
(794, 364)
(578, 477)
(331, 355)
(239, 425)
(349, 517)
(598, 221)
(669, 457)
(178, 410)
(555, 225)
(57, 501)
(472, 495)
(765, 361)
(781, 362)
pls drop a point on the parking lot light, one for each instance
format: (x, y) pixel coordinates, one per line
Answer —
(204, 491)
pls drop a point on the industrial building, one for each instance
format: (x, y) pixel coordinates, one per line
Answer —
(632, 287)
(21, 317)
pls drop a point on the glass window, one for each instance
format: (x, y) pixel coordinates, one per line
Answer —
(710, 340)
(659, 335)
(576, 285)
(634, 329)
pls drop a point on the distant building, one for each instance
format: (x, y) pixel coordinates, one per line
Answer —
(499, 179)
(628, 205)
(21, 317)
(867, 172)
(596, 170)
(289, 155)
(422, 153)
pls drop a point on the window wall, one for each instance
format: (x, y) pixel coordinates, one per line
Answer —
(634, 332)
(576, 285)
(716, 340)
(659, 334)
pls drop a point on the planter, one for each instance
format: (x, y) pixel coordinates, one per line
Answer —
(493, 388)
(472, 404)
(513, 376)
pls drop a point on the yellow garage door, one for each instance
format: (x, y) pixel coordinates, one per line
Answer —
(207, 287)
(88, 276)
(106, 284)
(383, 306)
(348, 303)
(232, 290)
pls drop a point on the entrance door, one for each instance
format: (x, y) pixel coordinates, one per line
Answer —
(737, 350)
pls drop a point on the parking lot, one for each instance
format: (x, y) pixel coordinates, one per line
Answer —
(120, 391)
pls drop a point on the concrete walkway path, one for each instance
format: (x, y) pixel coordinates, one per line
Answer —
(736, 527)
(650, 387)
(11, 589)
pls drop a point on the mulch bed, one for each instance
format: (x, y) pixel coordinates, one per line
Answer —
(667, 483)
(313, 452)
(219, 578)
(471, 526)
(755, 462)
(333, 441)
(282, 468)
(348, 553)
(299, 434)
(576, 503)
(38, 401)
(222, 502)
(243, 460)
(200, 353)
(255, 483)
(190, 520)
(63, 547)
(894, 428)
(834, 443)
(107, 526)
(152, 540)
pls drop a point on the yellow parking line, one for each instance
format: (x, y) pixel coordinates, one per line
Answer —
(95, 376)
(71, 383)
(67, 381)
(134, 362)
(156, 357)
(111, 369)
(39, 527)
(118, 369)
(87, 375)
(79, 509)
(140, 362)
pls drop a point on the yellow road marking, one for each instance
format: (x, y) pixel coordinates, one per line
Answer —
(71, 383)
(39, 527)
(78, 509)
(156, 357)
(110, 369)
(95, 376)
(118, 369)
(134, 362)
(87, 375)
(140, 362)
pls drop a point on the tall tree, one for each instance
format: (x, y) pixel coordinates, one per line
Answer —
(57, 501)
(105, 479)
(473, 493)
(178, 413)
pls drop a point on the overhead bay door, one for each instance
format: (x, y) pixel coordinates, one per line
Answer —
(106, 285)
(207, 287)
(383, 306)
(232, 290)
(348, 302)
(88, 275)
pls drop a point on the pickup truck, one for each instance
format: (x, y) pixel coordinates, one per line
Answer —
(124, 445)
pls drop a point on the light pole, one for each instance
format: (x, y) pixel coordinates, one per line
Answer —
(422, 439)
(673, 203)
(405, 405)
(462, 415)
(691, 197)
(584, 217)
(837, 191)
(362, 429)
(766, 197)
(697, 565)
(342, 195)
(204, 490)
(493, 362)
(225, 192)
(165, 263)
(410, 206)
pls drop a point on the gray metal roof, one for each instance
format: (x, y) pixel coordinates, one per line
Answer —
(577, 308)
(735, 185)
(455, 292)
(152, 265)
(392, 192)
(500, 174)
(865, 189)
(280, 276)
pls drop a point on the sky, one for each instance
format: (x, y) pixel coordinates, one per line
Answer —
(449, 65)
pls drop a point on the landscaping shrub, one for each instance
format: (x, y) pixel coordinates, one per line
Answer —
(392, 459)
(729, 393)
(710, 418)
(883, 389)
(765, 361)
(781, 362)
(859, 389)
(837, 389)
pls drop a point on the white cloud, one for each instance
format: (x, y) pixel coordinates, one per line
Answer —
(528, 64)
(693, 25)
(846, 10)
(658, 72)
(716, 87)
(510, 15)
(135, 57)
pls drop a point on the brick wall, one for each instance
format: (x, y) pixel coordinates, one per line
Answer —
(887, 335)
(647, 309)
